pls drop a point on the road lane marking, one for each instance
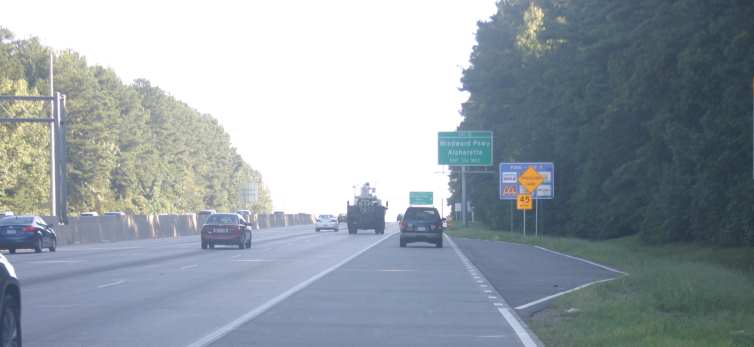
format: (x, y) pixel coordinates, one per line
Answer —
(394, 270)
(254, 260)
(582, 260)
(523, 335)
(526, 337)
(97, 249)
(55, 261)
(110, 284)
(550, 297)
(189, 266)
(248, 316)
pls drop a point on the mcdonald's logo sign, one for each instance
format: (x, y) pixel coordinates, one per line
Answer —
(510, 189)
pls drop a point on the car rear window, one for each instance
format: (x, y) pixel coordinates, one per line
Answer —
(422, 215)
(16, 221)
(222, 219)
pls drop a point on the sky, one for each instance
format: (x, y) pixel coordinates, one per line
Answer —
(319, 96)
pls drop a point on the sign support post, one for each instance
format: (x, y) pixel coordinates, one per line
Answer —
(511, 229)
(536, 217)
(463, 196)
(524, 223)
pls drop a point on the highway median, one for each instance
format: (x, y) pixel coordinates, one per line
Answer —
(671, 295)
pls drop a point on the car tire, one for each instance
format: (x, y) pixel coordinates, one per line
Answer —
(204, 244)
(403, 243)
(316, 229)
(10, 322)
(12, 251)
(54, 245)
(212, 245)
(248, 243)
(438, 244)
(38, 246)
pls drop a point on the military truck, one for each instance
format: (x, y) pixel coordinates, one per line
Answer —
(366, 212)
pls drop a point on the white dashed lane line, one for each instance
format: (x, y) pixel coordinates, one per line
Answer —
(106, 285)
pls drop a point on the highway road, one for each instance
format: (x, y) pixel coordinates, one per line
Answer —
(294, 287)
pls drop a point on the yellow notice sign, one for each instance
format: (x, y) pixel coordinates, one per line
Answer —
(531, 179)
(524, 202)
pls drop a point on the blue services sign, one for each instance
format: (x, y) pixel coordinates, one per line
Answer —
(510, 186)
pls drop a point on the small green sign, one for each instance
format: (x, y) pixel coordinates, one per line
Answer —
(464, 148)
(421, 198)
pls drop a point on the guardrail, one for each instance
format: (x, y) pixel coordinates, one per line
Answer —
(121, 228)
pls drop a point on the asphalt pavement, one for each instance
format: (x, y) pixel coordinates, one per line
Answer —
(525, 274)
(294, 287)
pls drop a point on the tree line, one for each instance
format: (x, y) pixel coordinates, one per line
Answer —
(644, 106)
(131, 147)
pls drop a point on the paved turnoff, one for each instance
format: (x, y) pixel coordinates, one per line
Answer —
(293, 287)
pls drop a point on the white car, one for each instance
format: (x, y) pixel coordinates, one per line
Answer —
(327, 221)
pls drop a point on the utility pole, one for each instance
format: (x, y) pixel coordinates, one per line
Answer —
(53, 115)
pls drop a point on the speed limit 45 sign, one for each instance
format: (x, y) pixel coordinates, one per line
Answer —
(524, 202)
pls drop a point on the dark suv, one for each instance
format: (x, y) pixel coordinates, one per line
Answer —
(422, 224)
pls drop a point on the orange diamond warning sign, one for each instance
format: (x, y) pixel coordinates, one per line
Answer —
(531, 179)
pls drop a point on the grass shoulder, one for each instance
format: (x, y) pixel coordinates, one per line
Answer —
(674, 295)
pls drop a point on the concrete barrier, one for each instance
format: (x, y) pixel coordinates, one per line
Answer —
(186, 224)
(166, 225)
(143, 227)
(119, 228)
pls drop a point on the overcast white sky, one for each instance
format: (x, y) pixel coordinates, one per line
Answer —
(317, 95)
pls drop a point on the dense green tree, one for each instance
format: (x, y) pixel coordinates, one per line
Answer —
(130, 147)
(644, 106)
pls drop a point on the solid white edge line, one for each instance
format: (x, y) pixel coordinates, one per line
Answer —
(248, 316)
(516, 325)
(562, 293)
(526, 337)
(582, 259)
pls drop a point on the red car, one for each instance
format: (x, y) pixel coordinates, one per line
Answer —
(226, 229)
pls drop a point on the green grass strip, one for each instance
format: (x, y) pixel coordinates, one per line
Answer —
(675, 295)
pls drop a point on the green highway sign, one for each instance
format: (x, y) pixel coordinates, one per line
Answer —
(464, 148)
(421, 198)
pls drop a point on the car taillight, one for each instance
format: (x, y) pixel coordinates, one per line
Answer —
(404, 226)
(30, 229)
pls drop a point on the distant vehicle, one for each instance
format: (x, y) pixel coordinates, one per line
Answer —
(367, 212)
(422, 224)
(115, 213)
(226, 229)
(26, 232)
(206, 212)
(326, 222)
(89, 214)
(10, 305)
(341, 218)
(6, 214)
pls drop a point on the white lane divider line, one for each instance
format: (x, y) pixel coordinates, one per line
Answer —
(523, 335)
(395, 270)
(248, 316)
(189, 266)
(254, 260)
(111, 284)
(55, 261)
(526, 337)
(550, 297)
(582, 260)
